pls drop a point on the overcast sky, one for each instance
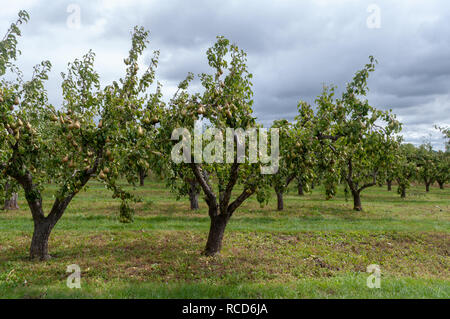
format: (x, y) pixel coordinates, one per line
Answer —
(294, 47)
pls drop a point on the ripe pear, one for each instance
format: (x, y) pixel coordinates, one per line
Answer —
(65, 159)
(102, 175)
(140, 131)
(54, 118)
(201, 110)
(16, 100)
(100, 124)
(1, 99)
(106, 170)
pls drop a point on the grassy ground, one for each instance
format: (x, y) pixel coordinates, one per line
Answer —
(313, 249)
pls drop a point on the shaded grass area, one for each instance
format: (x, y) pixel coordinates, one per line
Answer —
(313, 249)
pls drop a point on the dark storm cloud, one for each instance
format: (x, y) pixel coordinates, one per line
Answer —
(294, 47)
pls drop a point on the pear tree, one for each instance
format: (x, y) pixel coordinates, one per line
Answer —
(404, 168)
(297, 158)
(358, 141)
(82, 139)
(225, 103)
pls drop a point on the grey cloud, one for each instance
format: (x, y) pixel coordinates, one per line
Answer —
(293, 48)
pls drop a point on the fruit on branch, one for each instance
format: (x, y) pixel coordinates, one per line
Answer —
(201, 110)
(155, 120)
(101, 175)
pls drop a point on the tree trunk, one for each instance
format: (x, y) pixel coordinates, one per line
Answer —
(312, 185)
(441, 185)
(193, 196)
(12, 202)
(279, 201)
(142, 174)
(389, 185)
(39, 242)
(403, 192)
(215, 237)
(300, 189)
(356, 201)
(427, 187)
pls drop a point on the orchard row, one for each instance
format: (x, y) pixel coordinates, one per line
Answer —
(124, 128)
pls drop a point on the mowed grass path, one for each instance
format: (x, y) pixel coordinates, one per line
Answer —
(314, 248)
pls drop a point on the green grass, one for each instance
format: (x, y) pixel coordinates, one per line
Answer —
(313, 249)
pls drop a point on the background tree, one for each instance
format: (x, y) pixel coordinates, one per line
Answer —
(442, 168)
(288, 152)
(427, 164)
(404, 168)
(180, 178)
(351, 134)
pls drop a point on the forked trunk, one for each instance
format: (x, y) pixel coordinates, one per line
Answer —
(279, 201)
(215, 237)
(39, 242)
